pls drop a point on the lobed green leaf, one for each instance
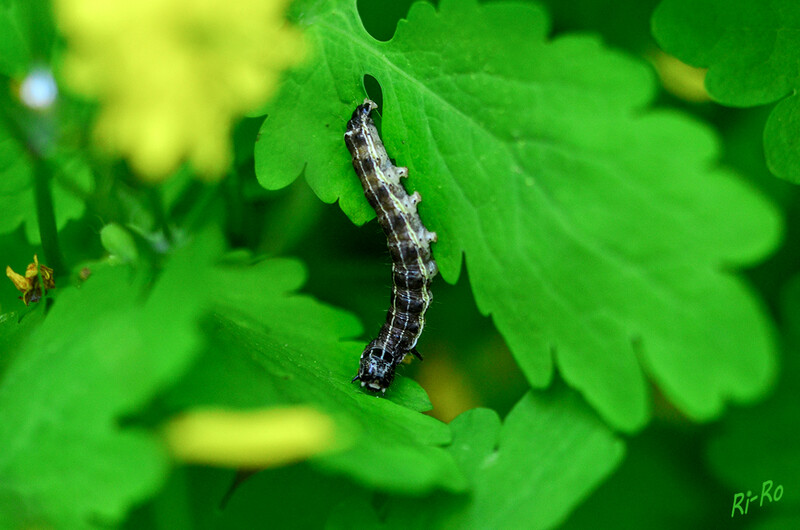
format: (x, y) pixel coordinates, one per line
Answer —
(71, 182)
(549, 454)
(750, 50)
(269, 349)
(101, 353)
(759, 444)
(597, 233)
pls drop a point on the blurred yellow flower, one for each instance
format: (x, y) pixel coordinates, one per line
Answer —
(251, 439)
(172, 75)
(680, 79)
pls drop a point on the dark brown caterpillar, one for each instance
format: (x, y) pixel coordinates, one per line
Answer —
(409, 242)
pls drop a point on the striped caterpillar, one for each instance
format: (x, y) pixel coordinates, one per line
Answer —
(409, 242)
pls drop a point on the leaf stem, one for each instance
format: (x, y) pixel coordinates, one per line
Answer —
(45, 215)
(157, 204)
(198, 214)
(35, 138)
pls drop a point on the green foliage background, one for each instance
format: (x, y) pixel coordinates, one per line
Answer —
(613, 336)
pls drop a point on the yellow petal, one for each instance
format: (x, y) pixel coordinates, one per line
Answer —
(33, 270)
(251, 439)
(22, 283)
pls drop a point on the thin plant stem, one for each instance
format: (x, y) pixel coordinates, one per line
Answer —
(198, 214)
(157, 204)
(12, 116)
(45, 215)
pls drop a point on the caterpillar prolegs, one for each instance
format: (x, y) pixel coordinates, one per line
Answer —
(409, 242)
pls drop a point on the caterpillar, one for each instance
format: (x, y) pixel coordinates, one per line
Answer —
(413, 267)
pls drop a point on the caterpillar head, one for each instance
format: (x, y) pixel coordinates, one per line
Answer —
(376, 370)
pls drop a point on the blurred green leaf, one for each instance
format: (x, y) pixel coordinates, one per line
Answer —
(548, 455)
(198, 499)
(658, 487)
(284, 495)
(16, 184)
(355, 513)
(747, 46)
(587, 221)
(119, 242)
(743, 132)
(71, 180)
(26, 35)
(14, 55)
(750, 50)
(623, 23)
(551, 452)
(72, 183)
(265, 350)
(100, 354)
(15, 327)
(760, 443)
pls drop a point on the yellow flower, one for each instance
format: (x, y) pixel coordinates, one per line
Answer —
(29, 284)
(250, 439)
(172, 75)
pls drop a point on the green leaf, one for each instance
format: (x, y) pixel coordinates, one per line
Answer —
(15, 327)
(13, 48)
(26, 34)
(201, 498)
(267, 347)
(355, 512)
(71, 181)
(100, 354)
(588, 223)
(119, 242)
(750, 50)
(549, 454)
(284, 495)
(16, 184)
(781, 140)
(760, 443)
(657, 487)
(623, 23)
